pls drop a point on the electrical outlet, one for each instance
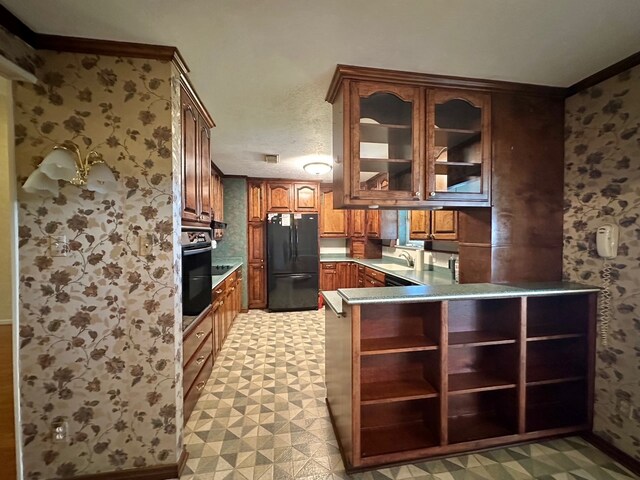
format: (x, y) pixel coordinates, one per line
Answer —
(59, 431)
(58, 246)
(146, 245)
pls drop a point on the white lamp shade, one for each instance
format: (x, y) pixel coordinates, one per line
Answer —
(101, 179)
(40, 184)
(317, 168)
(60, 164)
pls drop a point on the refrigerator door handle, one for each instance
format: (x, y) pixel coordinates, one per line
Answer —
(296, 276)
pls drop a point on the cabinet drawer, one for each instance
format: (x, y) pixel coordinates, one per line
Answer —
(217, 292)
(375, 274)
(372, 283)
(357, 249)
(230, 280)
(192, 395)
(328, 266)
(196, 337)
(193, 366)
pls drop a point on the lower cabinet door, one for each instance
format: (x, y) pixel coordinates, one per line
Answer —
(257, 285)
(193, 394)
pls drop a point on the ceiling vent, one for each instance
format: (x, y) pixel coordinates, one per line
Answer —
(272, 158)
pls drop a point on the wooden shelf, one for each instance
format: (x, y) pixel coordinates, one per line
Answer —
(396, 438)
(452, 137)
(555, 373)
(385, 133)
(378, 346)
(386, 160)
(478, 338)
(557, 336)
(458, 164)
(460, 383)
(401, 390)
(476, 427)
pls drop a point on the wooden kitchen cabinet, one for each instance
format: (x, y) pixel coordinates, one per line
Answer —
(305, 197)
(257, 285)
(433, 225)
(382, 224)
(196, 160)
(458, 145)
(357, 223)
(353, 275)
(342, 275)
(406, 140)
(279, 197)
(328, 276)
(256, 234)
(197, 360)
(431, 378)
(257, 201)
(333, 222)
(217, 202)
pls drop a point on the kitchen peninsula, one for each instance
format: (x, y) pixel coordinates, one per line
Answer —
(419, 371)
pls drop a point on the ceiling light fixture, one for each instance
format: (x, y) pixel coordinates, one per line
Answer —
(317, 168)
(65, 162)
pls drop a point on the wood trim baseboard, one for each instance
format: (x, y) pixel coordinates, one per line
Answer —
(604, 74)
(158, 472)
(614, 452)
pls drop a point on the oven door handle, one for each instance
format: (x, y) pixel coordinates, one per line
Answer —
(186, 253)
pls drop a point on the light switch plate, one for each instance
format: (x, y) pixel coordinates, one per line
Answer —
(146, 245)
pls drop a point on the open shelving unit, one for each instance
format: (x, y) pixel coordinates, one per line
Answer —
(430, 378)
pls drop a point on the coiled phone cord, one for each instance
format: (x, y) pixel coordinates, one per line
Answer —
(605, 303)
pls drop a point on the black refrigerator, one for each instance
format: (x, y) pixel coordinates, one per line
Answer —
(292, 261)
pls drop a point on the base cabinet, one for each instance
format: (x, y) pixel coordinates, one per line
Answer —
(444, 377)
(203, 340)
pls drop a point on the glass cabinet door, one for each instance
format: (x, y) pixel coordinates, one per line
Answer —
(458, 146)
(386, 154)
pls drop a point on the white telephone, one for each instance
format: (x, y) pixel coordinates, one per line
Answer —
(607, 246)
(607, 240)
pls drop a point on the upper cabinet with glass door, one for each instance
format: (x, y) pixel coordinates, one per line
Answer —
(386, 158)
(458, 146)
(403, 140)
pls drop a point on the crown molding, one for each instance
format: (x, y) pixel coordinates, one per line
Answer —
(604, 74)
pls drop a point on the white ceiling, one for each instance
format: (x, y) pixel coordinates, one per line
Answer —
(262, 67)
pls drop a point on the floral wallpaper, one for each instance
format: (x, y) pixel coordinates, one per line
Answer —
(100, 329)
(233, 245)
(602, 179)
(17, 51)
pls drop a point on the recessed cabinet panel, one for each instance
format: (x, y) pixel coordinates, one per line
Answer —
(386, 154)
(305, 197)
(257, 204)
(333, 223)
(279, 197)
(458, 145)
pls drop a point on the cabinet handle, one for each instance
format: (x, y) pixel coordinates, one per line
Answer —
(432, 194)
(233, 288)
(200, 334)
(262, 266)
(200, 386)
(222, 303)
(200, 360)
(416, 194)
(219, 290)
(372, 282)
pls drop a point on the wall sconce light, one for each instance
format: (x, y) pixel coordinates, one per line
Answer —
(317, 168)
(65, 162)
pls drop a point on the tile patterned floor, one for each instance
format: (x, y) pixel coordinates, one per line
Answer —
(263, 416)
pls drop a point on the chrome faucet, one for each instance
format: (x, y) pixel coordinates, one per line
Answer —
(408, 258)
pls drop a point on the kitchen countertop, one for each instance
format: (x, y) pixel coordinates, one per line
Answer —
(439, 275)
(425, 293)
(218, 279)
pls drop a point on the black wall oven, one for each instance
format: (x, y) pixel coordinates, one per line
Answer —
(196, 271)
